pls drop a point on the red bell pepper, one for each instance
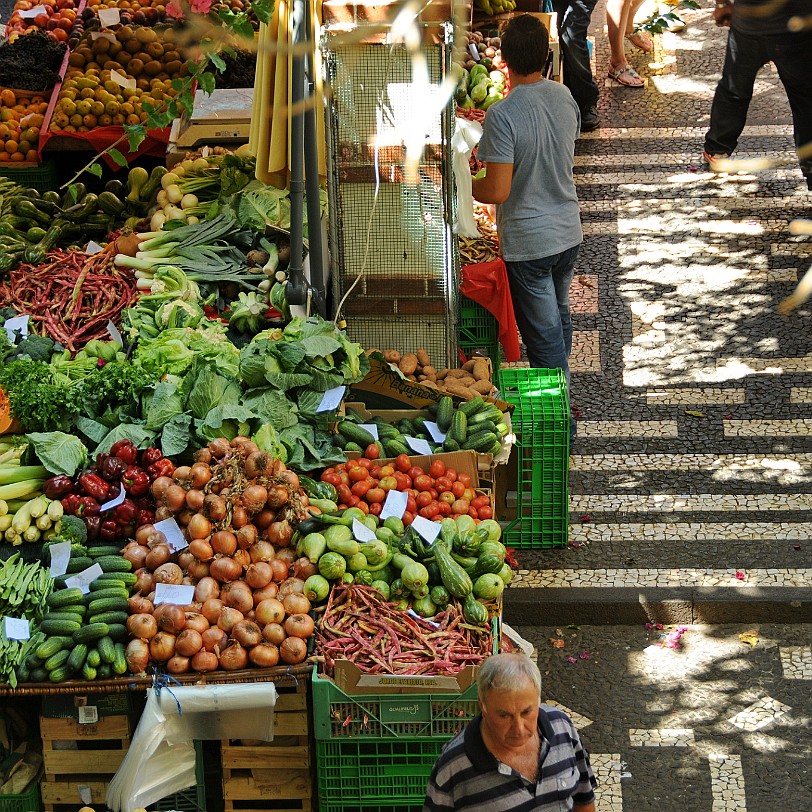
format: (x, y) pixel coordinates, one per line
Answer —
(125, 451)
(111, 468)
(88, 506)
(151, 455)
(70, 503)
(125, 512)
(93, 485)
(109, 530)
(57, 486)
(135, 481)
(93, 524)
(145, 517)
(164, 467)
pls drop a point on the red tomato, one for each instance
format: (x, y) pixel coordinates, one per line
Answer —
(344, 493)
(342, 466)
(407, 518)
(333, 478)
(460, 506)
(360, 488)
(434, 493)
(403, 463)
(480, 501)
(430, 511)
(465, 479)
(468, 494)
(375, 508)
(447, 498)
(388, 483)
(411, 505)
(451, 474)
(485, 512)
(357, 473)
(353, 500)
(361, 505)
(457, 488)
(403, 481)
(342, 475)
(472, 512)
(375, 495)
(375, 471)
(424, 498)
(423, 482)
(445, 508)
(342, 506)
(386, 470)
(437, 469)
(372, 451)
(364, 462)
(443, 484)
(414, 472)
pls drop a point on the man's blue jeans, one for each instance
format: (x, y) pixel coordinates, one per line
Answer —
(573, 24)
(745, 55)
(540, 289)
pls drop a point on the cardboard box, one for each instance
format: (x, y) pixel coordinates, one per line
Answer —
(351, 680)
(82, 706)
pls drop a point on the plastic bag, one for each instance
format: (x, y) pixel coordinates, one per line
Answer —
(466, 136)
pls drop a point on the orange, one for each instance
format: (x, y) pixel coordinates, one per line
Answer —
(24, 146)
(31, 134)
(11, 146)
(31, 155)
(7, 97)
(4, 131)
(17, 156)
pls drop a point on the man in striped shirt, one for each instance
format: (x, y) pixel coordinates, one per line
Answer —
(516, 755)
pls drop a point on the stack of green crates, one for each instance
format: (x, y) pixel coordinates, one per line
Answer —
(43, 178)
(28, 801)
(375, 752)
(478, 333)
(541, 422)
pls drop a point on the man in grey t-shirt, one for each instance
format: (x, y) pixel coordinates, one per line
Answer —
(528, 146)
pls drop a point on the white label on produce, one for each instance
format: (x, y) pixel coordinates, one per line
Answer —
(371, 428)
(428, 530)
(418, 445)
(109, 16)
(115, 501)
(93, 248)
(174, 535)
(361, 532)
(424, 619)
(30, 13)
(395, 505)
(84, 579)
(16, 628)
(94, 35)
(331, 399)
(114, 333)
(17, 324)
(60, 555)
(437, 434)
(180, 594)
(121, 79)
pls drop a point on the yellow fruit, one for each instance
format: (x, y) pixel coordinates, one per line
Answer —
(111, 107)
(84, 107)
(105, 120)
(97, 108)
(67, 106)
(118, 119)
(75, 120)
(87, 93)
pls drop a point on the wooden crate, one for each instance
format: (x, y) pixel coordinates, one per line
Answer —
(70, 774)
(257, 776)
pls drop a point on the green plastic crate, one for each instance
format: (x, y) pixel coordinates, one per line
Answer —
(340, 716)
(43, 178)
(25, 802)
(478, 333)
(374, 776)
(192, 799)
(541, 423)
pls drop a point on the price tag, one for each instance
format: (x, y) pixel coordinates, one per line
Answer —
(174, 535)
(2, 31)
(395, 505)
(434, 430)
(60, 555)
(109, 17)
(427, 529)
(474, 52)
(84, 579)
(372, 428)
(30, 13)
(85, 793)
(418, 445)
(179, 594)
(121, 79)
(331, 399)
(115, 501)
(362, 532)
(93, 248)
(16, 628)
(114, 333)
(17, 324)
(88, 714)
(94, 35)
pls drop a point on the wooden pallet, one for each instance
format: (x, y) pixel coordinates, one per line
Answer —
(257, 776)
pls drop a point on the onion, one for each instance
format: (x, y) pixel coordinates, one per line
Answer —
(137, 656)
(264, 518)
(219, 447)
(233, 657)
(287, 554)
(288, 586)
(269, 611)
(195, 621)
(206, 588)
(265, 593)
(259, 575)
(199, 474)
(175, 498)
(204, 661)
(292, 650)
(184, 559)
(157, 556)
(143, 533)
(296, 603)
(142, 626)
(184, 517)
(303, 568)
(211, 609)
(181, 473)
(224, 542)
(229, 617)
(162, 512)
(242, 558)
(214, 507)
(214, 638)
(278, 496)
(239, 517)
(194, 499)
(254, 498)
(247, 535)
(198, 569)
(145, 582)
(138, 604)
(299, 625)
(280, 569)
(162, 647)
(156, 538)
(237, 595)
(168, 574)
(246, 633)
(264, 655)
(170, 617)
(262, 551)
(135, 554)
(189, 642)
(225, 569)
(274, 633)
(291, 478)
(248, 447)
(159, 486)
(201, 549)
(178, 664)
(199, 527)
(257, 464)
(203, 455)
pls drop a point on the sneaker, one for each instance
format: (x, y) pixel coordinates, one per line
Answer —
(712, 160)
(590, 120)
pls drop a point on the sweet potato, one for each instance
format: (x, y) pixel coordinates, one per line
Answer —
(408, 363)
(483, 387)
(457, 373)
(482, 370)
(423, 358)
(460, 391)
(442, 373)
(468, 366)
(430, 372)
(432, 384)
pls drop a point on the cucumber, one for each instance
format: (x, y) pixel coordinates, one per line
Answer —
(107, 650)
(120, 592)
(118, 632)
(99, 552)
(104, 671)
(113, 563)
(445, 412)
(389, 432)
(471, 407)
(93, 658)
(395, 448)
(59, 674)
(91, 633)
(450, 444)
(459, 425)
(58, 659)
(352, 446)
(50, 647)
(77, 658)
(88, 672)
(120, 662)
(96, 607)
(64, 597)
(481, 441)
(39, 675)
(354, 433)
(102, 582)
(60, 627)
(81, 562)
(78, 609)
(109, 617)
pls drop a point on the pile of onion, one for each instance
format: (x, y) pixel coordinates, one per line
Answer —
(238, 508)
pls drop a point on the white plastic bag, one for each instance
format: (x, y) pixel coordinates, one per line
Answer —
(466, 136)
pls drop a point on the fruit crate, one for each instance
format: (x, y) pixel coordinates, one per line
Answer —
(28, 801)
(478, 334)
(341, 716)
(375, 775)
(541, 457)
(43, 178)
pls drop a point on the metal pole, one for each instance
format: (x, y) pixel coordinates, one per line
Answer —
(296, 289)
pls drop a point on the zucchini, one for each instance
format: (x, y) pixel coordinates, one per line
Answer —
(445, 412)
(91, 633)
(102, 582)
(455, 579)
(96, 607)
(120, 662)
(355, 433)
(47, 648)
(52, 197)
(93, 658)
(77, 658)
(64, 597)
(110, 204)
(80, 212)
(459, 424)
(109, 617)
(58, 659)
(107, 650)
(473, 611)
(113, 563)
(152, 185)
(488, 563)
(35, 234)
(26, 208)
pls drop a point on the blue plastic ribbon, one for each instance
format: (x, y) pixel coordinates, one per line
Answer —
(160, 681)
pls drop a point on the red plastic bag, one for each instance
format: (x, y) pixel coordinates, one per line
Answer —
(487, 285)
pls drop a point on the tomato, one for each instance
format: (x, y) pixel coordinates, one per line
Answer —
(430, 511)
(386, 470)
(372, 451)
(332, 478)
(480, 501)
(375, 508)
(388, 483)
(364, 462)
(423, 482)
(443, 484)
(342, 466)
(353, 500)
(460, 506)
(424, 498)
(485, 512)
(403, 481)
(451, 474)
(360, 488)
(445, 508)
(472, 512)
(407, 518)
(375, 471)
(434, 493)
(403, 463)
(361, 505)
(411, 504)
(357, 473)
(375, 495)
(437, 469)
(415, 472)
(344, 493)
(342, 506)
(345, 480)
(457, 488)
(447, 498)
(465, 479)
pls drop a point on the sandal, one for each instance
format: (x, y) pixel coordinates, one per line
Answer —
(641, 40)
(626, 76)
